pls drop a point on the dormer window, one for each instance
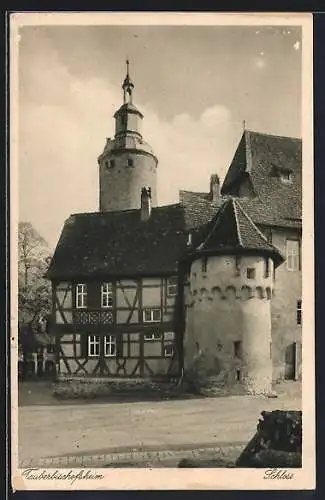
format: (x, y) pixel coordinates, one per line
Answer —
(286, 176)
(284, 173)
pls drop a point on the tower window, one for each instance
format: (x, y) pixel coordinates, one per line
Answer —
(237, 265)
(293, 257)
(112, 163)
(251, 273)
(204, 264)
(238, 349)
(299, 312)
(130, 162)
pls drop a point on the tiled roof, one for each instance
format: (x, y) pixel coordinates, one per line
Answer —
(233, 231)
(258, 163)
(198, 208)
(119, 243)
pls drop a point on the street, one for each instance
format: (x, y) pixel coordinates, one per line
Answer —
(91, 429)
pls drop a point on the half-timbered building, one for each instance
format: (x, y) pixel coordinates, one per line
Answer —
(121, 276)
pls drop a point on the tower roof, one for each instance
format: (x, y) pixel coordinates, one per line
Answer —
(127, 80)
(233, 231)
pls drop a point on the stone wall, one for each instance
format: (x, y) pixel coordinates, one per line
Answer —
(285, 330)
(228, 322)
(120, 186)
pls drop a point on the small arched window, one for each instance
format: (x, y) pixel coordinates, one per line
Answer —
(246, 292)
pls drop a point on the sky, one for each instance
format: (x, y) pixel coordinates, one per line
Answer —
(195, 86)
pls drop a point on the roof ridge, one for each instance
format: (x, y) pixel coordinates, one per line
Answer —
(240, 240)
(214, 222)
(248, 151)
(274, 135)
(123, 211)
(253, 223)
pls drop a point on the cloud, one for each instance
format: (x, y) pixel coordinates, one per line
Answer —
(259, 62)
(64, 122)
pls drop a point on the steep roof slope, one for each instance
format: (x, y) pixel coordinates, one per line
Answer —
(119, 243)
(232, 231)
(259, 161)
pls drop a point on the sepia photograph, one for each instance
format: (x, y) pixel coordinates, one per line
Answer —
(162, 251)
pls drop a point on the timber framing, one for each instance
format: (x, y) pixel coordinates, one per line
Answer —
(146, 349)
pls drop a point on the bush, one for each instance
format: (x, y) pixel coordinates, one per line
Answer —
(277, 442)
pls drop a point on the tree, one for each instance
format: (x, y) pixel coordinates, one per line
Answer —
(34, 291)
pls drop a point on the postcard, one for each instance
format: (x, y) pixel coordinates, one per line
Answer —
(162, 251)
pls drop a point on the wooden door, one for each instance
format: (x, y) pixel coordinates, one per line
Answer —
(291, 361)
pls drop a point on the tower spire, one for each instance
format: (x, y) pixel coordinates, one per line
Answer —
(128, 85)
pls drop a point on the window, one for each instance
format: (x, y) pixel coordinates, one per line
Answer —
(81, 296)
(251, 273)
(172, 286)
(109, 346)
(237, 349)
(237, 265)
(299, 312)
(286, 176)
(204, 264)
(130, 162)
(152, 336)
(151, 315)
(93, 345)
(107, 295)
(169, 351)
(112, 163)
(292, 253)
(267, 267)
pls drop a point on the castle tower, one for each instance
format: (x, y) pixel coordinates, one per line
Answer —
(228, 302)
(127, 163)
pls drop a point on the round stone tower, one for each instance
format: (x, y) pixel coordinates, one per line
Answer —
(228, 303)
(127, 162)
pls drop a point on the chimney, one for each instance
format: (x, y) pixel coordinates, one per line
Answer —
(145, 203)
(214, 187)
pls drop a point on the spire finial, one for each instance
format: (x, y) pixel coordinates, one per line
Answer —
(128, 85)
(244, 125)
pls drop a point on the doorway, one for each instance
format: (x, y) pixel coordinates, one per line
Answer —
(291, 362)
